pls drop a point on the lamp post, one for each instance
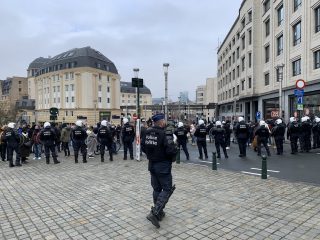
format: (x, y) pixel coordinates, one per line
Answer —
(165, 69)
(136, 75)
(95, 111)
(179, 112)
(280, 77)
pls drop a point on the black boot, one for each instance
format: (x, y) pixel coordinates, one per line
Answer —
(111, 157)
(153, 218)
(84, 159)
(161, 215)
(47, 160)
(75, 158)
(102, 158)
(55, 160)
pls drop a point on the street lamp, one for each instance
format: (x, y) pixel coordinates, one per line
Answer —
(165, 69)
(136, 75)
(279, 69)
(179, 108)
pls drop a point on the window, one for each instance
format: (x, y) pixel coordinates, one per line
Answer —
(267, 53)
(67, 99)
(233, 57)
(243, 23)
(243, 39)
(230, 77)
(280, 15)
(296, 67)
(250, 60)
(297, 34)
(317, 59)
(108, 100)
(72, 87)
(317, 19)
(249, 82)
(58, 89)
(99, 88)
(100, 74)
(233, 74)
(238, 53)
(71, 75)
(229, 93)
(280, 45)
(296, 4)
(58, 100)
(234, 91)
(108, 89)
(238, 89)
(66, 75)
(54, 89)
(243, 63)
(242, 85)
(230, 61)
(99, 99)
(238, 71)
(250, 16)
(250, 37)
(266, 5)
(267, 27)
(266, 79)
(67, 87)
(19, 82)
(72, 99)
(19, 89)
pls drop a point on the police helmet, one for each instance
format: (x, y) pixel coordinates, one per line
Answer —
(278, 121)
(317, 119)
(79, 123)
(11, 125)
(262, 123)
(218, 123)
(125, 120)
(304, 119)
(292, 119)
(200, 122)
(47, 124)
(180, 124)
(223, 122)
(240, 119)
(104, 123)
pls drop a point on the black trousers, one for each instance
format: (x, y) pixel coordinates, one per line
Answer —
(294, 143)
(3, 148)
(103, 148)
(306, 142)
(184, 147)
(221, 144)
(126, 146)
(316, 140)
(242, 143)
(202, 145)
(48, 149)
(228, 140)
(279, 144)
(264, 142)
(10, 150)
(80, 146)
(66, 148)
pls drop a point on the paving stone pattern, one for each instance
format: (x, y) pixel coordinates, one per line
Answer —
(111, 200)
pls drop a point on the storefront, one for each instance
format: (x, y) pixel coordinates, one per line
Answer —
(311, 105)
(271, 108)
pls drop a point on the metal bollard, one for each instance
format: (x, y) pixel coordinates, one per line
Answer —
(214, 161)
(178, 156)
(264, 172)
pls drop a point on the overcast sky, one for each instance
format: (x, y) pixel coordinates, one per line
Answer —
(131, 33)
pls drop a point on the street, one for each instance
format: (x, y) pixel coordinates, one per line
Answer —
(303, 167)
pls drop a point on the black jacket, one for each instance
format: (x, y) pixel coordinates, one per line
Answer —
(262, 133)
(242, 130)
(78, 135)
(48, 136)
(128, 133)
(219, 134)
(181, 134)
(11, 137)
(201, 133)
(104, 135)
(294, 129)
(278, 131)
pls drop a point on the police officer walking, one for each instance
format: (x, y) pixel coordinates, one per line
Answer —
(306, 127)
(78, 138)
(219, 134)
(12, 140)
(263, 135)
(159, 146)
(181, 133)
(316, 133)
(242, 135)
(128, 135)
(48, 139)
(293, 134)
(201, 135)
(105, 139)
(278, 132)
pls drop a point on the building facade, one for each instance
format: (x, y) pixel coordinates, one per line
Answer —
(82, 83)
(211, 98)
(200, 94)
(129, 99)
(184, 97)
(270, 46)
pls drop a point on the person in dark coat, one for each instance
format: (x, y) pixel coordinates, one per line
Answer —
(201, 135)
(3, 145)
(263, 136)
(105, 139)
(48, 138)
(316, 133)
(128, 135)
(293, 134)
(78, 137)
(25, 145)
(12, 140)
(181, 133)
(158, 144)
(227, 128)
(219, 135)
(306, 127)
(278, 132)
(242, 135)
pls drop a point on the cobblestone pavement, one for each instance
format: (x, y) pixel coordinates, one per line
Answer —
(111, 201)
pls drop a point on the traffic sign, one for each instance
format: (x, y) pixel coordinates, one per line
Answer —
(300, 84)
(298, 92)
(258, 115)
(300, 107)
(137, 82)
(300, 99)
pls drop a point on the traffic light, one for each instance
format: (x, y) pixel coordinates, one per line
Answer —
(54, 113)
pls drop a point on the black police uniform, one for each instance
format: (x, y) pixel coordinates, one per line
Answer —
(106, 140)
(12, 140)
(127, 139)
(278, 133)
(181, 134)
(78, 137)
(160, 149)
(209, 127)
(293, 134)
(263, 136)
(228, 133)
(219, 134)
(316, 135)
(306, 136)
(201, 133)
(48, 139)
(242, 135)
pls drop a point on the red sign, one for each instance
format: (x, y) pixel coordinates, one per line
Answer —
(275, 114)
(300, 84)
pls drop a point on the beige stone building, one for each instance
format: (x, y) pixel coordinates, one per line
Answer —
(82, 83)
(200, 94)
(13, 89)
(266, 35)
(211, 98)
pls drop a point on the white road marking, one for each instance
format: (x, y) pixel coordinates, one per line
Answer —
(318, 153)
(274, 171)
(197, 164)
(256, 174)
(207, 161)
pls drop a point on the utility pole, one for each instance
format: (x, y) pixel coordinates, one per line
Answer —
(165, 68)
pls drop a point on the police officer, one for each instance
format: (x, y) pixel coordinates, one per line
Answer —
(159, 146)
(128, 135)
(278, 132)
(12, 140)
(219, 135)
(263, 136)
(201, 135)
(242, 135)
(78, 138)
(316, 133)
(48, 139)
(293, 134)
(181, 133)
(306, 127)
(227, 127)
(105, 139)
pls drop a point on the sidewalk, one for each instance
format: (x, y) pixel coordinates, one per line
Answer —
(111, 201)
